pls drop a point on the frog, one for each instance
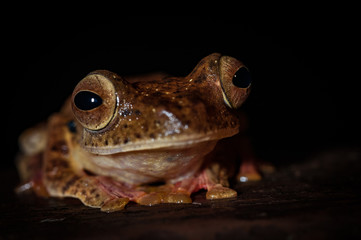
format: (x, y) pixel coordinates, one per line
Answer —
(148, 139)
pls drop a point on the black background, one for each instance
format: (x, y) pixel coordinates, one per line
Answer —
(304, 95)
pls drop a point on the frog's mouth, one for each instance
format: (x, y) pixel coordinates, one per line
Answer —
(181, 141)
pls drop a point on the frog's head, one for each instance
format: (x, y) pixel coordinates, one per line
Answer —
(118, 115)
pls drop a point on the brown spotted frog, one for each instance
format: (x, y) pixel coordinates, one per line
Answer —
(117, 136)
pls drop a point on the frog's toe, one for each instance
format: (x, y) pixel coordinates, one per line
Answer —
(177, 198)
(150, 199)
(115, 204)
(219, 192)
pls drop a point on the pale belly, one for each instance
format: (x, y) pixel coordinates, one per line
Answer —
(140, 167)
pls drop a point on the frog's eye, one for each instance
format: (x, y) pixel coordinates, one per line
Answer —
(242, 78)
(235, 81)
(86, 100)
(94, 101)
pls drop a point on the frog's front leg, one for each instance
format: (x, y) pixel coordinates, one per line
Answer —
(216, 183)
(213, 179)
(63, 178)
(251, 167)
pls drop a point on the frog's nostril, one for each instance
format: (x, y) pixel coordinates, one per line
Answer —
(242, 78)
(86, 100)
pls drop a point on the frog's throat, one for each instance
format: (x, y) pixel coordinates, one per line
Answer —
(182, 141)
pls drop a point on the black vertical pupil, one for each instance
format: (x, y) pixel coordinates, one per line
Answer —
(242, 78)
(86, 100)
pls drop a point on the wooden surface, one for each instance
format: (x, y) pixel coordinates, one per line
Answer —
(316, 198)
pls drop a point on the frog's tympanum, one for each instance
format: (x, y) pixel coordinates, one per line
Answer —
(149, 139)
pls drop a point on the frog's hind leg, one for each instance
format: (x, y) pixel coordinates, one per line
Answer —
(63, 178)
